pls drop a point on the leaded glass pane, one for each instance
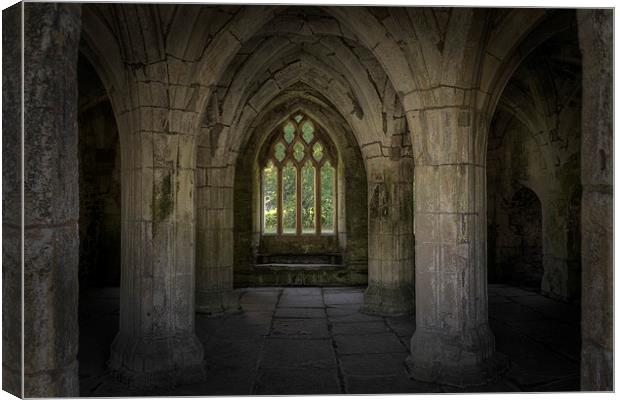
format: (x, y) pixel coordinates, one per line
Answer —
(289, 198)
(280, 151)
(317, 151)
(307, 199)
(289, 132)
(307, 131)
(327, 198)
(298, 151)
(270, 198)
(298, 117)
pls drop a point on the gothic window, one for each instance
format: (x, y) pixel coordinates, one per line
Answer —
(298, 180)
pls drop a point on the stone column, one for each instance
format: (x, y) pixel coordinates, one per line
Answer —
(214, 264)
(156, 344)
(51, 241)
(453, 343)
(596, 42)
(390, 237)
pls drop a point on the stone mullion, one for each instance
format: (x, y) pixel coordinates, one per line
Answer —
(299, 228)
(317, 198)
(453, 342)
(279, 195)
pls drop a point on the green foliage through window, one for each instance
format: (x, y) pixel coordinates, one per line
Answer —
(308, 131)
(289, 132)
(299, 192)
(327, 198)
(289, 198)
(270, 198)
(298, 151)
(280, 152)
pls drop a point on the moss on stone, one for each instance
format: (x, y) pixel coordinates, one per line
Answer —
(163, 203)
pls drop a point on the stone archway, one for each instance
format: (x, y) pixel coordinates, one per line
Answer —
(352, 213)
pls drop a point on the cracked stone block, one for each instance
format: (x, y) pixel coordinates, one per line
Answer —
(349, 314)
(355, 328)
(300, 313)
(390, 384)
(230, 353)
(403, 326)
(295, 381)
(315, 328)
(332, 299)
(292, 301)
(368, 343)
(293, 353)
(373, 365)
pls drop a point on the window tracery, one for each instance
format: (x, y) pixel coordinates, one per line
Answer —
(298, 180)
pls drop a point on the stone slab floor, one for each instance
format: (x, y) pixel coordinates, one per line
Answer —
(315, 341)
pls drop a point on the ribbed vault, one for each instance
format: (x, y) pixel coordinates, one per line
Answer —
(303, 46)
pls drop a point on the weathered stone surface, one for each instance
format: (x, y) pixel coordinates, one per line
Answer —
(292, 353)
(300, 313)
(300, 328)
(390, 241)
(452, 343)
(353, 328)
(368, 343)
(349, 314)
(51, 244)
(595, 39)
(373, 365)
(304, 381)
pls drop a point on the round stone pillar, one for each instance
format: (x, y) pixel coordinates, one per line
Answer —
(156, 344)
(453, 343)
(390, 237)
(214, 263)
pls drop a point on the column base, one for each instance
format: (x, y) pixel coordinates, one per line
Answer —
(463, 360)
(596, 367)
(60, 382)
(218, 303)
(157, 363)
(388, 301)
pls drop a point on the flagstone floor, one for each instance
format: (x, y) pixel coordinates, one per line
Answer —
(316, 341)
